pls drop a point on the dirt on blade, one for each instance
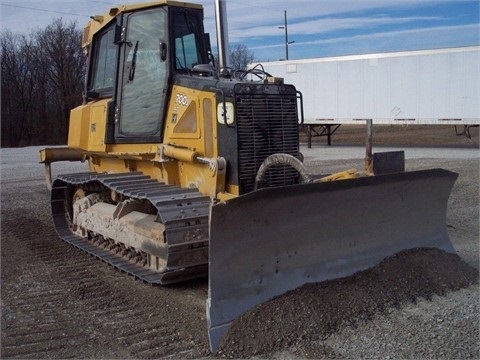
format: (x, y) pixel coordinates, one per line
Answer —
(313, 312)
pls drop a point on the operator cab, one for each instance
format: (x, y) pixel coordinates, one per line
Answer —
(133, 61)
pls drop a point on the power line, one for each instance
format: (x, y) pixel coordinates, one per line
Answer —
(44, 10)
(103, 2)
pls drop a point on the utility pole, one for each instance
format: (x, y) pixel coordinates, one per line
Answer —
(286, 35)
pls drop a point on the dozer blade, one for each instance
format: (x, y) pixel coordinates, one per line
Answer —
(274, 240)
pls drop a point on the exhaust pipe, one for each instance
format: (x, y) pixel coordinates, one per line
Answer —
(222, 35)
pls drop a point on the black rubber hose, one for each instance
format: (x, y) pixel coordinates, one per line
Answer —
(281, 159)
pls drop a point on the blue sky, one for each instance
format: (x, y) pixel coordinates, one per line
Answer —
(319, 28)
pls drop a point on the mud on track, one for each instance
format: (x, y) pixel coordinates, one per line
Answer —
(58, 302)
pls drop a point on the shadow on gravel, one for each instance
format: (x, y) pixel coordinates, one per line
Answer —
(314, 311)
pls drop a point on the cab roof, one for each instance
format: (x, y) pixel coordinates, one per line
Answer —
(99, 21)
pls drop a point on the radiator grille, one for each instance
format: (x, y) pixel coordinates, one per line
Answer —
(266, 124)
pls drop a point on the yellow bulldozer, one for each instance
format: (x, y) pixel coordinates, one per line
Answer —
(195, 170)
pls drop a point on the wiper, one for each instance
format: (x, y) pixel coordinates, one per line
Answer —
(131, 74)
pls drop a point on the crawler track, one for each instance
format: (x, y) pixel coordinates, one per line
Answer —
(184, 213)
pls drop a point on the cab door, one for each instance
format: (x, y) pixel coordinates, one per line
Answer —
(143, 86)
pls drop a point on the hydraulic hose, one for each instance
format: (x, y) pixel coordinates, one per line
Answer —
(281, 159)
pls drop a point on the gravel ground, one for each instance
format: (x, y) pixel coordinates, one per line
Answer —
(57, 302)
(443, 327)
(396, 309)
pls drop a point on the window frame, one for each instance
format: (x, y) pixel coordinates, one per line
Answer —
(96, 52)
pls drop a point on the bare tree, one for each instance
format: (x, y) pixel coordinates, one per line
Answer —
(17, 87)
(63, 64)
(9, 67)
(42, 80)
(240, 57)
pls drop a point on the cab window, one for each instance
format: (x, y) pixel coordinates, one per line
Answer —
(103, 64)
(188, 40)
(144, 75)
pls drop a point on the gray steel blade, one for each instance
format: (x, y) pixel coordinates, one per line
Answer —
(274, 240)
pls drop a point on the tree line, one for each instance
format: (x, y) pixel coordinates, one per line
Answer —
(42, 77)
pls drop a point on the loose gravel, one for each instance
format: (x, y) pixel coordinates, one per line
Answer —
(315, 319)
(57, 302)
